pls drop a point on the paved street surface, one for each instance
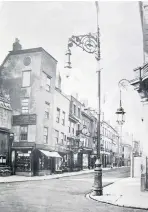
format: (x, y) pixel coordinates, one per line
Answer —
(57, 195)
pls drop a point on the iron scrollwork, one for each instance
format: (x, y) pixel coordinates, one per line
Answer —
(89, 43)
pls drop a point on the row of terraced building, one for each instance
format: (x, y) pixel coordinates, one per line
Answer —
(53, 132)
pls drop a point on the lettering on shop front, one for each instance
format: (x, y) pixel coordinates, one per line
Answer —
(24, 120)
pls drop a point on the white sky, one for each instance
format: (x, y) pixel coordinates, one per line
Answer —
(50, 24)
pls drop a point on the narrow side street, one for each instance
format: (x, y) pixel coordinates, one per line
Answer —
(58, 195)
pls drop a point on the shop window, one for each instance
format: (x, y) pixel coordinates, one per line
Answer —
(24, 133)
(58, 115)
(41, 162)
(45, 135)
(26, 78)
(23, 161)
(2, 160)
(25, 105)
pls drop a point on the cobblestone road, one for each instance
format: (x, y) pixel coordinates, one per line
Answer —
(58, 195)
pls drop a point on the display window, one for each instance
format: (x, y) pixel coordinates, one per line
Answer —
(23, 161)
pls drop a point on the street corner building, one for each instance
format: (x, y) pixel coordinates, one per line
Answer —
(28, 76)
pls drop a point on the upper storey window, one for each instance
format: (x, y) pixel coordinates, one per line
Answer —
(48, 83)
(26, 76)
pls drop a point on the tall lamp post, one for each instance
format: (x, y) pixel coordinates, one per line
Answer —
(120, 120)
(90, 43)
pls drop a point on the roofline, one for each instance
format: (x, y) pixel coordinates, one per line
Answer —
(38, 49)
(4, 60)
(86, 115)
(110, 126)
(60, 92)
(23, 51)
(75, 99)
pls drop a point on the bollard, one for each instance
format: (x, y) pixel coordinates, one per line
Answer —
(143, 182)
(97, 188)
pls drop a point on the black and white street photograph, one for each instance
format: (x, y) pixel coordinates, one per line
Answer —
(73, 106)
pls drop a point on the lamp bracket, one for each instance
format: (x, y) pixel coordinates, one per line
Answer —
(88, 42)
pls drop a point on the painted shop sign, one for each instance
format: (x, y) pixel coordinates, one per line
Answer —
(23, 144)
(24, 120)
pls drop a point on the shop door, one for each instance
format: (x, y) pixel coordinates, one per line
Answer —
(52, 165)
(35, 159)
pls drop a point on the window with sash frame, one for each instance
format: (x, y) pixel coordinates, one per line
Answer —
(23, 133)
(45, 135)
(47, 109)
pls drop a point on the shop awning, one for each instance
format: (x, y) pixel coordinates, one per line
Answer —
(50, 154)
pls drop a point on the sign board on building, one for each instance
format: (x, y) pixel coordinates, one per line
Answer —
(23, 144)
(29, 119)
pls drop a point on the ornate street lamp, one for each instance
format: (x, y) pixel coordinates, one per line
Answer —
(68, 63)
(120, 113)
(90, 43)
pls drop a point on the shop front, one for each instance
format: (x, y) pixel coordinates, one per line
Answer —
(27, 160)
(85, 158)
(46, 162)
(5, 146)
(22, 158)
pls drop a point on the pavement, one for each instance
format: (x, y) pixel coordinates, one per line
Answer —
(16, 178)
(125, 193)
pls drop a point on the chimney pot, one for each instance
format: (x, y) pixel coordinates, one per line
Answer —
(16, 45)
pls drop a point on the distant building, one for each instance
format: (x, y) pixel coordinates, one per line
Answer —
(60, 127)
(28, 76)
(85, 134)
(109, 145)
(126, 154)
(81, 133)
(136, 148)
(72, 139)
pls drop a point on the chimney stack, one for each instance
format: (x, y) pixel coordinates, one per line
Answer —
(16, 45)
